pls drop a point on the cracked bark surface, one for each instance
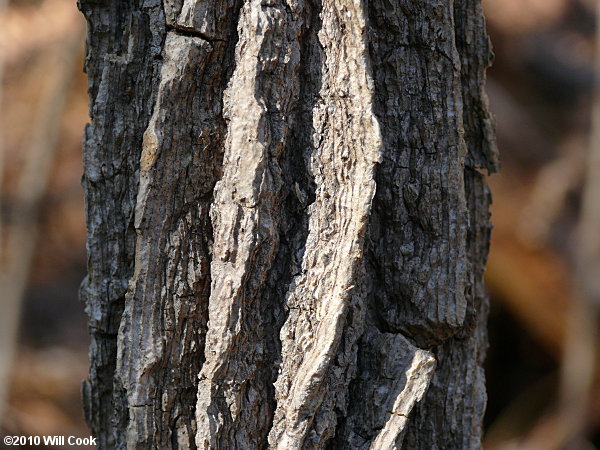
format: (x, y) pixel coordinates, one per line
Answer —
(287, 223)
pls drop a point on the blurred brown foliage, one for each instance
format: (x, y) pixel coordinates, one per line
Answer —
(540, 90)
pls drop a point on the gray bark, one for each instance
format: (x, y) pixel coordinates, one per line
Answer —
(287, 226)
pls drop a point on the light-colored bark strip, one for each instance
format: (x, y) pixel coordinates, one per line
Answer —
(165, 309)
(395, 378)
(325, 301)
(409, 382)
(163, 329)
(233, 409)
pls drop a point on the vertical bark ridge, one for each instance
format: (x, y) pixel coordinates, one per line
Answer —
(419, 223)
(162, 332)
(429, 230)
(450, 414)
(417, 231)
(325, 300)
(122, 62)
(234, 405)
(475, 51)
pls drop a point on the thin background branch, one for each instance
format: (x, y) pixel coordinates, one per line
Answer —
(22, 234)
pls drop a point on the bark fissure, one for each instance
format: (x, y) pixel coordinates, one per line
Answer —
(191, 32)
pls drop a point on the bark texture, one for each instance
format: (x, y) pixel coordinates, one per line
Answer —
(287, 226)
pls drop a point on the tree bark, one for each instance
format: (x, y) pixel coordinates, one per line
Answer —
(287, 225)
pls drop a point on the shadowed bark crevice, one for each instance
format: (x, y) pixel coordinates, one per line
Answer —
(191, 32)
(299, 193)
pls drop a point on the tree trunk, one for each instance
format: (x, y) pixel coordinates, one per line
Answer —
(287, 227)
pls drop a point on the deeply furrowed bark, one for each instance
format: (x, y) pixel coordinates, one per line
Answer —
(287, 227)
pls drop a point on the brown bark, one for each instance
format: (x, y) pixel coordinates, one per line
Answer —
(287, 226)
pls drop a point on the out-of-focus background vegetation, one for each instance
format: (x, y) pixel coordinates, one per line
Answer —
(540, 91)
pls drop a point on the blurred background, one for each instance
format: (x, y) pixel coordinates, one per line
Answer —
(542, 383)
